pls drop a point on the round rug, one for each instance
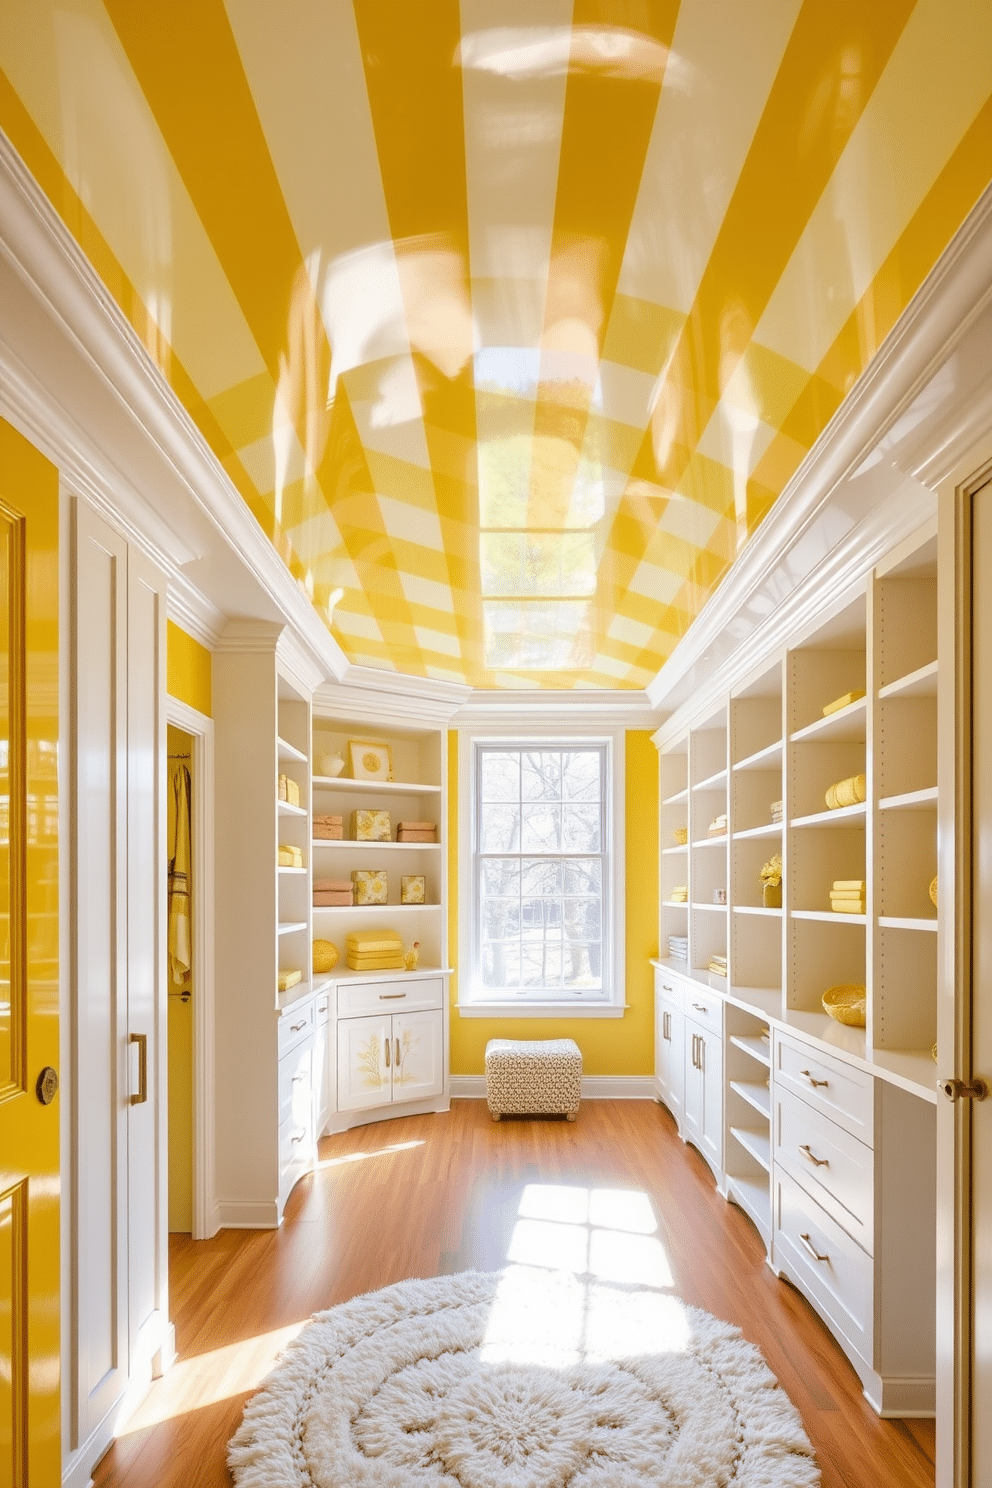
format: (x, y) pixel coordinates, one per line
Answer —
(520, 1380)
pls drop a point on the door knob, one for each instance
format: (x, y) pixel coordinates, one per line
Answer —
(955, 1090)
(47, 1084)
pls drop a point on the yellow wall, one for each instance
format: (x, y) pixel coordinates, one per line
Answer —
(610, 1046)
(188, 670)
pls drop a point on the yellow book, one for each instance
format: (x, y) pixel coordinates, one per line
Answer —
(843, 702)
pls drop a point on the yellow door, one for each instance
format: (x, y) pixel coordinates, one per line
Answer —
(29, 990)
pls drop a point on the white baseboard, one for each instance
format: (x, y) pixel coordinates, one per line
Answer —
(594, 1087)
(232, 1214)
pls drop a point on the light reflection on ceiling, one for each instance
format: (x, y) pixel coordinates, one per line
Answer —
(508, 319)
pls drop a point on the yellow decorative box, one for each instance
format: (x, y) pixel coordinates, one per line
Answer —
(413, 888)
(370, 826)
(288, 790)
(371, 885)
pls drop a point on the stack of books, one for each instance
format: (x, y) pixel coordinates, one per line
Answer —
(777, 810)
(718, 965)
(678, 947)
(848, 896)
(679, 895)
(328, 828)
(416, 831)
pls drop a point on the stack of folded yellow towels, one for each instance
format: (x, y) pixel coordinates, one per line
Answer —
(848, 896)
(375, 950)
(679, 895)
(289, 857)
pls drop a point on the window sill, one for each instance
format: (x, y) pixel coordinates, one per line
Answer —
(522, 1009)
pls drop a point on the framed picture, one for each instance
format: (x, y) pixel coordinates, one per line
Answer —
(370, 760)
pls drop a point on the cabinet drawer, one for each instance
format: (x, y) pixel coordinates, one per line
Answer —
(295, 1083)
(296, 1154)
(322, 1007)
(356, 1000)
(833, 1167)
(705, 1008)
(669, 989)
(295, 1025)
(833, 1272)
(845, 1093)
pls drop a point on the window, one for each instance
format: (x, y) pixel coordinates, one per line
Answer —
(543, 896)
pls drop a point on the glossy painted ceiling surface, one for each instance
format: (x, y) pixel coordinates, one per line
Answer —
(509, 319)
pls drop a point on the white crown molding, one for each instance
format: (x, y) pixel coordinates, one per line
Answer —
(249, 635)
(296, 663)
(938, 317)
(617, 708)
(367, 695)
(45, 256)
(203, 621)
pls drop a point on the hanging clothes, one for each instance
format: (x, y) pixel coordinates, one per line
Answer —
(180, 936)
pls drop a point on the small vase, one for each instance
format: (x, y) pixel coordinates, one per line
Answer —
(771, 895)
(330, 764)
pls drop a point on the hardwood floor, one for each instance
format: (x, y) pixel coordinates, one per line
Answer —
(434, 1194)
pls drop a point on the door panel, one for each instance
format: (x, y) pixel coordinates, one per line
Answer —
(29, 991)
(100, 1253)
(364, 1076)
(417, 1043)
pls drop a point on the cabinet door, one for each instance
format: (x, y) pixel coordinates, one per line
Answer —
(669, 1061)
(692, 1102)
(322, 1072)
(365, 1074)
(710, 1055)
(417, 1052)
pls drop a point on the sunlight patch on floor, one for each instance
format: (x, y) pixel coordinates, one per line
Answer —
(206, 1378)
(354, 1157)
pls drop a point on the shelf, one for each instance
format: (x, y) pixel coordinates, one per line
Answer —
(763, 758)
(289, 872)
(919, 800)
(379, 787)
(771, 829)
(285, 809)
(712, 782)
(758, 909)
(758, 1096)
(290, 927)
(716, 841)
(677, 799)
(921, 683)
(829, 916)
(336, 843)
(901, 922)
(847, 725)
(757, 1143)
(843, 816)
(753, 1198)
(702, 904)
(675, 904)
(350, 909)
(757, 1048)
(679, 847)
(347, 975)
(289, 751)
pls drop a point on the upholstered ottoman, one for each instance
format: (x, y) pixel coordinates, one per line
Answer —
(531, 1077)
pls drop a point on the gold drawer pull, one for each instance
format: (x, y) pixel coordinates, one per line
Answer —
(700, 1007)
(819, 1162)
(812, 1080)
(398, 1060)
(388, 1046)
(808, 1244)
(390, 996)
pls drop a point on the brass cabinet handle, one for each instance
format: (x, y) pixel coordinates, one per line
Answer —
(819, 1162)
(396, 1061)
(955, 1090)
(387, 1053)
(808, 1245)
(702, 1053)
(812, 1080)
(700, 1007)
(141, 1039)
(666, 1026)
(390, 996)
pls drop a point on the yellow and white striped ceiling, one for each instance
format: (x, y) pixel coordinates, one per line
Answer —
(509, 319)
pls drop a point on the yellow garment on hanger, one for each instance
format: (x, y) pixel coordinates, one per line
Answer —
(180, 939)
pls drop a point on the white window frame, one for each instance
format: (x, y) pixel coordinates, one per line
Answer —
(475, 1001)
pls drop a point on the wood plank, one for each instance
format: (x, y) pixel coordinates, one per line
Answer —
(430, 1195)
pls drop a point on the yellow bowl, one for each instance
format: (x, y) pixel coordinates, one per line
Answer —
(846, 1003)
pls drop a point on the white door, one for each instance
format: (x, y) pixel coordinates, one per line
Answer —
(711, 1121)
(365, 1063)
(417, 1050)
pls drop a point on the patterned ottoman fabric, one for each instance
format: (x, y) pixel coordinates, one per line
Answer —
(533, 1077)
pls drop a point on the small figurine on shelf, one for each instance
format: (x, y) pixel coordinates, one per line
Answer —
(771, 883)
(412, 956)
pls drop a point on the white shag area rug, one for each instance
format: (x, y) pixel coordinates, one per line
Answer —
(520, 1379)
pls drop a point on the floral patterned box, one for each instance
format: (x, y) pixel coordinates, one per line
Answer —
(371, 885)
(413, 888)
(370, 826)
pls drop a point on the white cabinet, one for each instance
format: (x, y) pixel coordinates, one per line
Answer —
(116, 1182)
(389, 1058)
(324, 1081)
(669, 1043)
(704, 1091)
